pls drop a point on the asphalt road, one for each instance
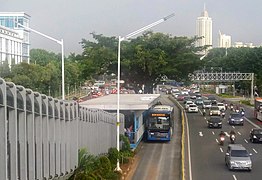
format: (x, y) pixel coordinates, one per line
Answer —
(160, 160)
(207, 156)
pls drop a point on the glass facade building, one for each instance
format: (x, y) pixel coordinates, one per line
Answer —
(12, 20)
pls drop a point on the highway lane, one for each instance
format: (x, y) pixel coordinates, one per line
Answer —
(160, 160)
(207, 156)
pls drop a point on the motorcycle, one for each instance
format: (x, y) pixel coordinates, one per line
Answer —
(221, 140)
(232, 108)
(226, 106)
(232, 138)
(223, 114)
(204, 112)
(243, 113)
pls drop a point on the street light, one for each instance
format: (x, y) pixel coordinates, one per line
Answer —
(118, 70)
(62, 49)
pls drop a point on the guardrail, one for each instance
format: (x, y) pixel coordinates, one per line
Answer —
(40, 136)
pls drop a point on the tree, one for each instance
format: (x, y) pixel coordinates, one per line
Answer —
(43, 57)
(152, 55)
(244, 60)
(5, 70)
(144, 60)
(99, 56)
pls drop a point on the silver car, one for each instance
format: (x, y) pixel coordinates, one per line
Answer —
(237, 157)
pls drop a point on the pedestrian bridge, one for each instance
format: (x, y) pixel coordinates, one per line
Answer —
(40, 135)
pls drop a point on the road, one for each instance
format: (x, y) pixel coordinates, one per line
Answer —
(207, 157)
(160, 160)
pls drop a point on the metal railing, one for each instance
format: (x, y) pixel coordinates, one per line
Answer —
(40, 136)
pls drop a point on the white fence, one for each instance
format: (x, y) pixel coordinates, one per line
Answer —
(40, 136)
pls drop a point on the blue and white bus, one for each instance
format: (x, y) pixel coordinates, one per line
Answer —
(159, 123)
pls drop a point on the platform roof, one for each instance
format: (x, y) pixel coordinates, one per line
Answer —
(126, 101)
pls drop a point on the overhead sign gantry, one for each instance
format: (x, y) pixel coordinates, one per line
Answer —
(223, 77)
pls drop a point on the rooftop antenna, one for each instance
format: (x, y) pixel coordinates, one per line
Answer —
(204, 6)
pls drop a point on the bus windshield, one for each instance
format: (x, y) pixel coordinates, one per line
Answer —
(159, 123)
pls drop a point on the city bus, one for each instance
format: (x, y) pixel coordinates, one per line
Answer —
(159, 123)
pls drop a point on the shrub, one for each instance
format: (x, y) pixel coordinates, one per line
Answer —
(246, 102)
(126, 143)
(113, 155)
(105, 165)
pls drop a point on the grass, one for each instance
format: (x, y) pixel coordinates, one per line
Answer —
(246, 102)
(228, 96)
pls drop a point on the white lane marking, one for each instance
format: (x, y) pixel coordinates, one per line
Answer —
(251, 123)
(188, 149)
(213, 132)
(233, 127)
(216, 140)
(227, 134)
(239, 133)
(246, 141)
(235, 178)
(201, 134)
(254, 150)
(205, 118)
(221, 150)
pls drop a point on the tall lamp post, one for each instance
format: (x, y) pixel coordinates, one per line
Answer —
(120, 39)
(62, 51)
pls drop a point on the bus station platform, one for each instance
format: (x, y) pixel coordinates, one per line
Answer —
(133, 106)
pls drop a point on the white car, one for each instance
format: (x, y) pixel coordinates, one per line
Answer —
(192, 108)
(221, 106)
(214, 111)
(187, 103)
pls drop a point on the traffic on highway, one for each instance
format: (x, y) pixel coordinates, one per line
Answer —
(224, 141)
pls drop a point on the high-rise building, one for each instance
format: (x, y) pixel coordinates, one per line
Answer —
(224, 41)
(204, 29)
(10, 20)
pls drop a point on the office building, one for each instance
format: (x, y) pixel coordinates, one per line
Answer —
(204, 29)
(9, 20)
(224, 41)
(10, 46)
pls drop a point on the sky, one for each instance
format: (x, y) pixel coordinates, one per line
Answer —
(74, 20)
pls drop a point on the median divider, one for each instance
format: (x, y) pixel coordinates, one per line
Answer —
(184, 128)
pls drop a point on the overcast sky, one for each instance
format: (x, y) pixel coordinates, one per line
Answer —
(73, 20)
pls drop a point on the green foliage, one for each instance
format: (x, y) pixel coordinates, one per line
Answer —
(5, 70)
(105, 166)
(125, 144)
(43, 57)
(113, 155)
(125, 152)
(246, 102)
(226, 95)
(93, 168)
(244, 60)
(43, 74)
(144, 60)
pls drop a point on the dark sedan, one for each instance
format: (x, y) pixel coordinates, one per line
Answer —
(215, 122)
(256, 135)
(236, 119)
